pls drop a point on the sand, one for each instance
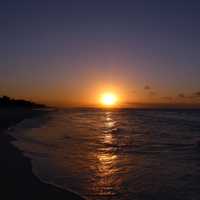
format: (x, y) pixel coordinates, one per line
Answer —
(16, 177)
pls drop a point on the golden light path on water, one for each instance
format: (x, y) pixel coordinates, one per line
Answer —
(107, 159)
(80, 151)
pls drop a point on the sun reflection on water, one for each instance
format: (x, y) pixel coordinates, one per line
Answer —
(106, 169)
(108, 138)
(106, 162)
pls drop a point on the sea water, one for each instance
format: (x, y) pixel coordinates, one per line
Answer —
(121, 154)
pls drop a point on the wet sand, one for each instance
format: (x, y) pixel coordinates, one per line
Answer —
(16, 178)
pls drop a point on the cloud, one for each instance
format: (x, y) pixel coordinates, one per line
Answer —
(147, 87)
(151, 93)
(191, 96)
(197, 94)
(181, 95)
(167, 98)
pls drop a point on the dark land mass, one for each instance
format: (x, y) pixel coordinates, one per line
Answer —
(7, 102)
(16, 177)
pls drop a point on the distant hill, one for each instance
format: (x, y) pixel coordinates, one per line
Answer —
(7, 102)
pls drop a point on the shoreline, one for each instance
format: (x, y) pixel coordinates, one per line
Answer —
(17, 178)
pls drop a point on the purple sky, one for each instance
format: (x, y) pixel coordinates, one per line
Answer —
(67, 52)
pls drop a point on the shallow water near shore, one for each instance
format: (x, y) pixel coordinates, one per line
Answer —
(116, 154)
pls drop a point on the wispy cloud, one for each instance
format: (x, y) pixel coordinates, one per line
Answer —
(147, 87)
(167, 98)
(151, 93)
(181, 95)
(197, 94)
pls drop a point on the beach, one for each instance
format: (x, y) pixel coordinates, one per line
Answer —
(17, 180)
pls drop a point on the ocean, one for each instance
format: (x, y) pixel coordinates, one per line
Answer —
(119, 154)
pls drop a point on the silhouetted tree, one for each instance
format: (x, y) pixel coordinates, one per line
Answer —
(6, 101)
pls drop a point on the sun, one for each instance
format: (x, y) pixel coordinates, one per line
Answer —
(109, 99)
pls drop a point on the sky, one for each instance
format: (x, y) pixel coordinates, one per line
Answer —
(69, 52)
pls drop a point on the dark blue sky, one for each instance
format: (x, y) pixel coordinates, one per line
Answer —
(65, 51)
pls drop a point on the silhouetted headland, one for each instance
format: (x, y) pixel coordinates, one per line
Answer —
(17, 180)
(7, 102)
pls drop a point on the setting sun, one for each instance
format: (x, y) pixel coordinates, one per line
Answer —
(109, 99)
